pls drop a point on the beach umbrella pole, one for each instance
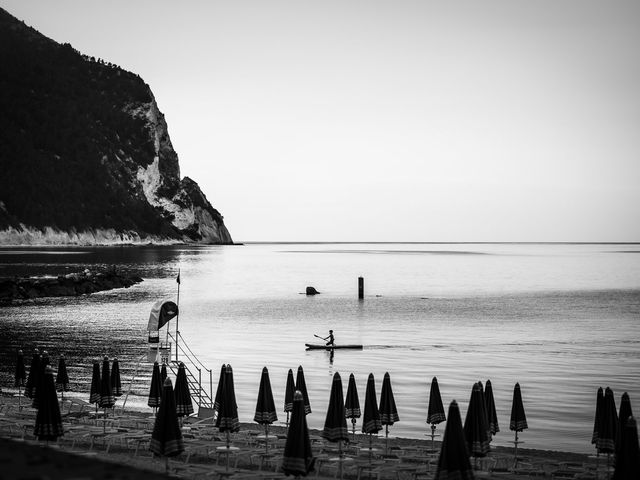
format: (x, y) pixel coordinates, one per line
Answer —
(104, 422)
(433, 436)
(228, 447)
(340, 458)
(266, 439)
(515, 452)
(386, 439)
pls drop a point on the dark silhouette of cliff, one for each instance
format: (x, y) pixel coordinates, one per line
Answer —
(85, 151)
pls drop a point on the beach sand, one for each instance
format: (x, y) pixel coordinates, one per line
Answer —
(123, 453)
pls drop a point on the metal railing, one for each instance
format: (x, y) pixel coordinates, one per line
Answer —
(192, 362)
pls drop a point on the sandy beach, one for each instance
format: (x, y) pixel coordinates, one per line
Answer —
(118, 448)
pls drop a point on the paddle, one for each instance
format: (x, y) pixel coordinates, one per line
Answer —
(318, 336)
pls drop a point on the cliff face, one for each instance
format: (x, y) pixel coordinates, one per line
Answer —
(85, 154)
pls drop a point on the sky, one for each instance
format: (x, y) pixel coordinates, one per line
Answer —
(422, 121)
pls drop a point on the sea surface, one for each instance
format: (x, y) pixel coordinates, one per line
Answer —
(560, 319)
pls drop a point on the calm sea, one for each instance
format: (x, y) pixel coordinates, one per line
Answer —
(560, 319)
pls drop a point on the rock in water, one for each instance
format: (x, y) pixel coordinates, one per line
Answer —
(72, 284)
(312, 291)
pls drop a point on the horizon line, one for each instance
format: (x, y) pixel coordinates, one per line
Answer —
(377, 242)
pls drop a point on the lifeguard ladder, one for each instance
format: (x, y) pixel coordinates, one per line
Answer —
(161, 312)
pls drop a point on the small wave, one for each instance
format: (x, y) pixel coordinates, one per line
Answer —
(386, 347)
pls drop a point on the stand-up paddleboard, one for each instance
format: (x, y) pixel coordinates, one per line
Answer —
(318, 346)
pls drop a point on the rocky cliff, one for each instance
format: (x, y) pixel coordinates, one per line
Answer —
(85, 153)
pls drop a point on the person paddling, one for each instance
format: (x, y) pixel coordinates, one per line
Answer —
(329, 338)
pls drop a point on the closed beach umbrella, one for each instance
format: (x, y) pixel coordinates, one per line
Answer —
(297, 459)
(289, 390)
(484, 409)
(184, 405)
(301, 386)
(155, 390)
(265, 406)
(352, 404)
(608, 424)
(107, 399)
(116, 383)
(518, 421)
(62, 378)
(166, 439)
(623, 415)
(628, 458)
(94, 391)
(20, 376)
(39, 379)
(371, 417)
(34, 370)
(453, 462)
(335, 423)
(598, 416)
(227, 420)
(476, 427)
(490, 405)
(48, 420)
(435, 412)
(163, 372)
(217, 401)
(388, 410)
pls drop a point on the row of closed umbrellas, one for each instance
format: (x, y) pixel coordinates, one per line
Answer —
(477, 430)
(106, 385)
(613, 432)
(34, 380)
(104, 388)
(480, 424)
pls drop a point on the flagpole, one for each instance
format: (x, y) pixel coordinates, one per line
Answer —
(178, 314)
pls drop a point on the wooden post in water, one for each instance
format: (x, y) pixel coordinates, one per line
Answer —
(360, 288)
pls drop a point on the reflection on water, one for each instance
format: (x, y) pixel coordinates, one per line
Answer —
(561, 325)
(149, 261)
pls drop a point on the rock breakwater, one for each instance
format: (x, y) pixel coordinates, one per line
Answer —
(71, 284)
